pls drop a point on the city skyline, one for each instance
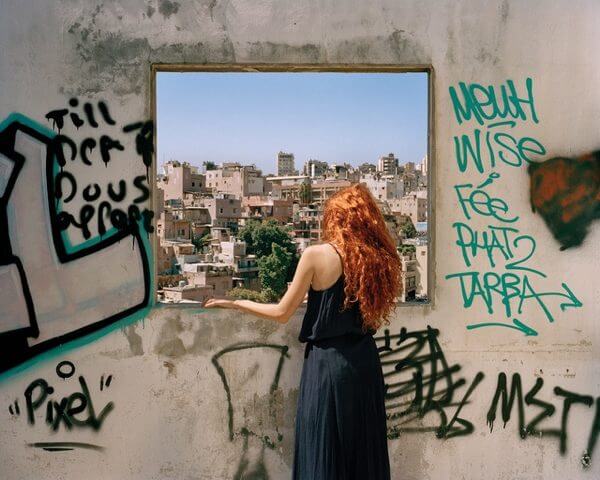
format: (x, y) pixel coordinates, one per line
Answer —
(250, 117)
(298, 165)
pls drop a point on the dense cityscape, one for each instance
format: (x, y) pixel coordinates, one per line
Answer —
(229, 231)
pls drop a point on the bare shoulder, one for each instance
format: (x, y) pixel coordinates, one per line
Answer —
(315, 254)
(324, 255)
(318, 249)
(310, 250)
(311, 253)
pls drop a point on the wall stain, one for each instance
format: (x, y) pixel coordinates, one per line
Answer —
(450, 58)
(170, 367)
(399, 46)
(168, 8)
(405, 47)
(485, 56)
(114, 62)
(504, 12)
(281, 52)
(134, 339)
(211, 7)
(182, 332)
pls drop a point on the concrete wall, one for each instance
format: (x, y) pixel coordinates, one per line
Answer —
(186, 393)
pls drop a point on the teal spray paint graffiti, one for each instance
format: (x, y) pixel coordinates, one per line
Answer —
(31, 153)
(496, 259)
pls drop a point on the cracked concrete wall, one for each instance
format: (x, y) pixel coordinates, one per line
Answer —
(185, 393)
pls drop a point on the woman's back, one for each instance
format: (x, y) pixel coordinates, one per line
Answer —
(330, 266)
(323, 317)
(341, 430)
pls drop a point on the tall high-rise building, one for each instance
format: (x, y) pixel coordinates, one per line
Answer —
(285, 164)
(388, 164)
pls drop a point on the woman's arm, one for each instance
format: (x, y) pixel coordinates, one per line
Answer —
(282, 311)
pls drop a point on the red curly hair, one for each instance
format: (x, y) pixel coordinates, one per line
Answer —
(353, 221)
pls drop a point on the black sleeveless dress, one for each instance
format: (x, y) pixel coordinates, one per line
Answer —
(341, 430)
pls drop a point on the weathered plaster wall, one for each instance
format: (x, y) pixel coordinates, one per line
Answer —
(171, 397)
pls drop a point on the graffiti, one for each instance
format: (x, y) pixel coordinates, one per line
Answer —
(105, 383)
(93, 208)
(143, 139)
(64, 446)
(482, 104)
(247, 467)
(506, 398)
(144, 145)
(566, 193)
(75, 410)
(498, 272)
(419, 381)
(57, 116)
(56, 261)
(479, 202)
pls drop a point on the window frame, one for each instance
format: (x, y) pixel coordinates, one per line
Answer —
(156, 68)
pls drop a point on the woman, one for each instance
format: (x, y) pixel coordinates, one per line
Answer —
(353, 280)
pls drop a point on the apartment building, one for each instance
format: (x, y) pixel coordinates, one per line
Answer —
(384, 187)
(285, 164)
(180, 178)
(421, 257)
(289, 187)
(263, 206)
(315, 168)
(169, 227)
(184, 293)
(413, 205)
(235, 179)
(388, 164)
(409, 276)
(322, 190)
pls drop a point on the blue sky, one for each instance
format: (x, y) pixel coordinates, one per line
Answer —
(250, 117)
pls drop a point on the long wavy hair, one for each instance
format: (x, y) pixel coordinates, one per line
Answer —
(372, 267)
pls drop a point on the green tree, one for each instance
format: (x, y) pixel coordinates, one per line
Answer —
(409, 230)
(261, 236)
(273, 269)
(246, 234)
(270, 232)
(270, 295)
(246, 294)
(200, 241)
(208, 165)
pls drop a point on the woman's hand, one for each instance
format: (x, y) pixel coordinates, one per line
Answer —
(219, 303)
